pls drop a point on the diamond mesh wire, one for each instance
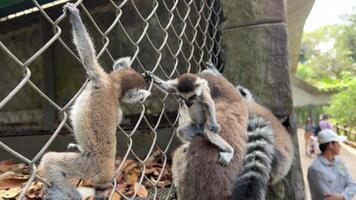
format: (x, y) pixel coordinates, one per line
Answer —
(166, 37)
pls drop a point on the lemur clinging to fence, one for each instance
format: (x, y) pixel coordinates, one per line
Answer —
(201, 108)
(94, 116)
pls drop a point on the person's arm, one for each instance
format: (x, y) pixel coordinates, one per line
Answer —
(350, 189)
(334, 196)
(318, 184)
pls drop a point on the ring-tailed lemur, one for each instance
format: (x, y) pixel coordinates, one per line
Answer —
(284, 149)
(193, 170)
(196, 174)
(200, 109)
(94, 116)
(253, 179)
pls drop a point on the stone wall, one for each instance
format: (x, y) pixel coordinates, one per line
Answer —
(255, 43)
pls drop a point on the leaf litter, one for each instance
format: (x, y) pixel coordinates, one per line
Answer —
(14, 176)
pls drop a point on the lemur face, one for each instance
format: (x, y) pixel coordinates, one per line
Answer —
(133, 86)
(189, 88)
(189, 99)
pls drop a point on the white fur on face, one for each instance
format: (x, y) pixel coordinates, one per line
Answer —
(135, 95)
(202, 83)
(120, 63)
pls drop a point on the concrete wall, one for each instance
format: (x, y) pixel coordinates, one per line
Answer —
(255, 43)
(304, 98)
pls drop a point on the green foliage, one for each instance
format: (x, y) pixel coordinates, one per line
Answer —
(328, 61)
(313, 111)
(328, 55)
(343, 106)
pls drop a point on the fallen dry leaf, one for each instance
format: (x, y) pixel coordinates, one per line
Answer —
(129, 165)
(5, 165)
(88, 198)
(116, 196)
(156, 172)
(7, 175)
(20, 168)
(122, 187)
(140, 190)
(154, 156)
(125, 169)
(36, 185)
(163, 184)
(35, 191)
(129, 193)
(131, 178)
(10, 193)
(11, 183)
(149, 171)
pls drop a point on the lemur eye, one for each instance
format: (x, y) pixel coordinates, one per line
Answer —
(192, 97)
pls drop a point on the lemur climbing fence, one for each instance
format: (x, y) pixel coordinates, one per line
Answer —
(41, 74)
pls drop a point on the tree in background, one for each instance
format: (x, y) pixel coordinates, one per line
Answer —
(328, 55)
(343, 106)
(328, 61)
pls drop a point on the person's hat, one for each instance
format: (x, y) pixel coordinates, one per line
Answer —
(327, 135)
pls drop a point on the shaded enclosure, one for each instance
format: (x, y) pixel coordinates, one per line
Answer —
(41, 74)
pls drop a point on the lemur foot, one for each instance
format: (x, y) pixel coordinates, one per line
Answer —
(225, 157)
(70, 8)
(54, 193)
(73, 147)
(214, 127)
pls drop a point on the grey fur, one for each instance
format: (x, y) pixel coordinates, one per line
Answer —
(283, 155)
(201, 113)
(94, 115)
(253, 180)
(196, 173)
(122, 63)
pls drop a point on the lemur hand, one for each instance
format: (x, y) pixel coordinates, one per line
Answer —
(71, 9)
(148, 76)
(214, 127)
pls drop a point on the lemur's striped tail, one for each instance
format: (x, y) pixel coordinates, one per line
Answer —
(252, 182)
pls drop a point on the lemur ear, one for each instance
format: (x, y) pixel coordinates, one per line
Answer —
(199, 85)
(244, 92)
(135, 95)
(121, 63)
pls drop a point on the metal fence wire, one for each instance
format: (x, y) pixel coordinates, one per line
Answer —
(41, 75)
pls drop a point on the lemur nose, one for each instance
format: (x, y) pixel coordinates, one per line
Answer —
(188, 103)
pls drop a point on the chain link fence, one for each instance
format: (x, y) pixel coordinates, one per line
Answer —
(41, 74)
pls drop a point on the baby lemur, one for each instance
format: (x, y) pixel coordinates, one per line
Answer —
(94, 116)
(195, 93)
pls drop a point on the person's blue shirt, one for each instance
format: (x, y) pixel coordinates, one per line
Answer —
(330, 177)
